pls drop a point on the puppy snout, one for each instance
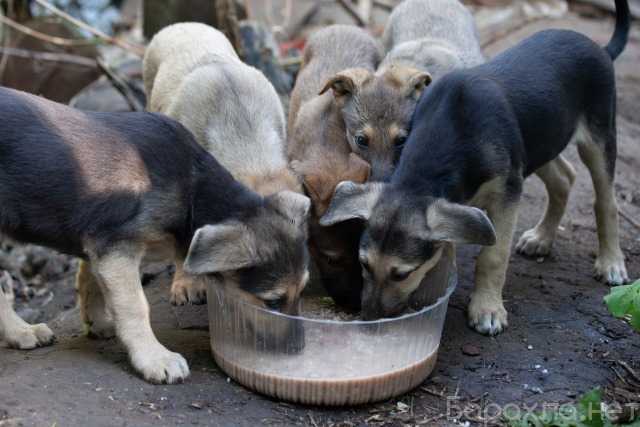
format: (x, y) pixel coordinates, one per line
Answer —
(290, 341)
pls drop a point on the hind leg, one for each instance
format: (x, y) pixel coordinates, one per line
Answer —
(97, 320)
(16, 332)
(599, 155)
(558, 176)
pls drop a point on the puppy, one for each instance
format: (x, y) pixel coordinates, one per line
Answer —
(193, 75)
(377, 109)
(320, 154)
(477, 134)
(109, 187)
(437, 36)
(334, 249)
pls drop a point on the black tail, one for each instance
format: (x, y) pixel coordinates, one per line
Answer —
(621, 34)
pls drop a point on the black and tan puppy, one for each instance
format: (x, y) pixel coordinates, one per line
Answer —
(108, 187)
(477, 134)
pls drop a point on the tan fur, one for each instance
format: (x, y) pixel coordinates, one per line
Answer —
(127, 173)
(117, 273)
(271, 183)
(558, 176)
(97, 321)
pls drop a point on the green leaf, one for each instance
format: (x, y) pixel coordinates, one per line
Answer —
(624, 301)
(590, 409)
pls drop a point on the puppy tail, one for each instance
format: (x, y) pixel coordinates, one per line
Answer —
(621, 34)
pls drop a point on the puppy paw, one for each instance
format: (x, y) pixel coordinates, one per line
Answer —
(534, 243)
(487, 314)
(158, 365)
(611, 269)
(28, 337)
(188, 291)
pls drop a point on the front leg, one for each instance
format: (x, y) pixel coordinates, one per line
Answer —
(118, 275)
(187, 289)
(16, 332)
(487, 314)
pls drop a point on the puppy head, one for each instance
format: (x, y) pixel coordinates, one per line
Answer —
(377, 110)
(403, 239)
(334, 249)
(260, 257)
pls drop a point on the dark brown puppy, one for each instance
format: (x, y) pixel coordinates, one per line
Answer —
(320, 154)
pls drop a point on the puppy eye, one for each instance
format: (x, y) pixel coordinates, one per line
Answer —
(399, 277)
(361, 141)
(399, 142)
(274, 304)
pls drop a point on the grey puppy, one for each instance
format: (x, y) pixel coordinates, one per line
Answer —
(437, 36)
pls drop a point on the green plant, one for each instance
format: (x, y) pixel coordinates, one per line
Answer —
(624, 302)
(587, 412)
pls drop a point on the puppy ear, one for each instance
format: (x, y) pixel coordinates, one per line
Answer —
(452, 222)
(411, 81)
(359, 169)
(416, 84)
(291, 205)
(346, 83)
(223, 247)
(350, 201)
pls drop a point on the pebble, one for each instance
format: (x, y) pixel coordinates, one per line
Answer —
(470, 350)
(529, 347)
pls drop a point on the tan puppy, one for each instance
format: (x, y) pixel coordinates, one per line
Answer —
(193, 75)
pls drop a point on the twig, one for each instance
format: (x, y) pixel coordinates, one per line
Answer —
(629, 369)
(49, 56)
(366, 9)
(133, 48)
(629, 218)
(291, 29)
(121, 86)
(432, 392)
(60, 41)
(388, 6)
(227, 19)
(348, 7)
(313, 422)
(505, 33)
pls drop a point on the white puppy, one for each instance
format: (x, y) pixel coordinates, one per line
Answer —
(436, 36)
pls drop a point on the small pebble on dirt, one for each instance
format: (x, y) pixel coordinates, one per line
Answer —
(470, 350)
(529, 347)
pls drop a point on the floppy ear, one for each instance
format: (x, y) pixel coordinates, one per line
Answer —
(452, 222)
(359, 169)
(291, 205)
(350, 201)
(416, 84)
(411, 81)
(223, 247)
(346, 83)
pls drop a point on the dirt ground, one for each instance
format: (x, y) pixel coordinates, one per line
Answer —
(561, 341)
